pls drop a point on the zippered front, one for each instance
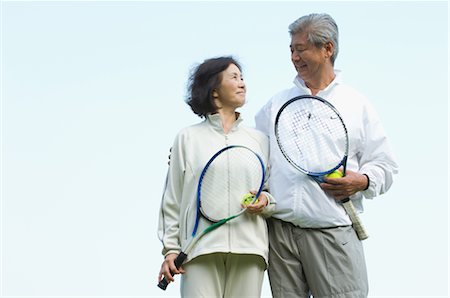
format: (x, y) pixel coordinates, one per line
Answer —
(227, 225)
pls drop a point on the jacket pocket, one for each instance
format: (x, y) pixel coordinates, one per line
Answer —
(187, 223)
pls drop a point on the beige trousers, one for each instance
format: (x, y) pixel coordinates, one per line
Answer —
(223, 275)
(323, 263)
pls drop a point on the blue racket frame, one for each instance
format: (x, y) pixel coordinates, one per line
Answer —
(205, 169)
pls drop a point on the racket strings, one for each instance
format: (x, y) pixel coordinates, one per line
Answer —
(312, 135)
(228, 178)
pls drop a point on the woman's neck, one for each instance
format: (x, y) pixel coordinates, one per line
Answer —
(228, 118)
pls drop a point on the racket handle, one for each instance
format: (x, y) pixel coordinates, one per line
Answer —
(178, 262)
(356, 221)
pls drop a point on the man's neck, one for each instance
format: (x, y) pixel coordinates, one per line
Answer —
(321, 82)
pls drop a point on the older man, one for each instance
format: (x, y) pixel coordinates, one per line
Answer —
(313, 247)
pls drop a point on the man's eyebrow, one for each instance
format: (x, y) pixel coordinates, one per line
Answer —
(297, 45)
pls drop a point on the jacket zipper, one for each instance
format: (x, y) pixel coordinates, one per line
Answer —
(228, 194)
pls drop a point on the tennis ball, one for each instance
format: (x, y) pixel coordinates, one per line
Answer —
(247, 199)
(335, 174)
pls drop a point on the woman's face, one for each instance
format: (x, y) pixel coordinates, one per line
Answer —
(231, 91)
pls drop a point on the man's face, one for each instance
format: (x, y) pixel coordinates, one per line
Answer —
(308, 60)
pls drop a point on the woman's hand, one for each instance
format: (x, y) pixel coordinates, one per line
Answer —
(167, 266)
(258, 207)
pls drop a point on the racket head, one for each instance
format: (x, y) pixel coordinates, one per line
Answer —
(311, 135)
(230, 174)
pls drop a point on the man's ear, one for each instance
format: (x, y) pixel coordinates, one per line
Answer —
(329, 49)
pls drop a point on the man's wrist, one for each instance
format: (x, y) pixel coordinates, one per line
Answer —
(368, 182)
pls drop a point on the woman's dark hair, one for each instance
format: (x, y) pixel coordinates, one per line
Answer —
(202, 82)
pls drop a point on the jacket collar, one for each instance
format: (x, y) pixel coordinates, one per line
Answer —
(216, 122)
(337, 80)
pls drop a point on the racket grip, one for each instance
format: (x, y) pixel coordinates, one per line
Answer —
(178, 262)
(356, 221)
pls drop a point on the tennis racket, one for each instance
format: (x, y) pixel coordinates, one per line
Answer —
(224, 182)
(313, 138)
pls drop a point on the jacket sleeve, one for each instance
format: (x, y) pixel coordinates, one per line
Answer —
(377, 160)
(270, 208)
(262, 119)
(169, 216)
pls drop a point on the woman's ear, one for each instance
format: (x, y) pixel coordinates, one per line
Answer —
(216, 99)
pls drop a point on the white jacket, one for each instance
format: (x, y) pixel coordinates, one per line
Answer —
(192, 149)
(299, 199)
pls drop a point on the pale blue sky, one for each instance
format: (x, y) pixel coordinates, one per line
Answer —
(92, 97)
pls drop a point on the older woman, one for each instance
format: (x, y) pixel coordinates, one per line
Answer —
(235, 264)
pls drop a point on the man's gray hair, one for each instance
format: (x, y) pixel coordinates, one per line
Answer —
(321, 29)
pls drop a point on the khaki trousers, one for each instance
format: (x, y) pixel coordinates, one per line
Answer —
(324, 263)
(223, 275)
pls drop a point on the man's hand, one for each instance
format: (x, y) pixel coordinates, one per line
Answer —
(341, 188)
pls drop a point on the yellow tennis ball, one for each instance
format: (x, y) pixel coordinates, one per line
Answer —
(335, 174)
(247, 199)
